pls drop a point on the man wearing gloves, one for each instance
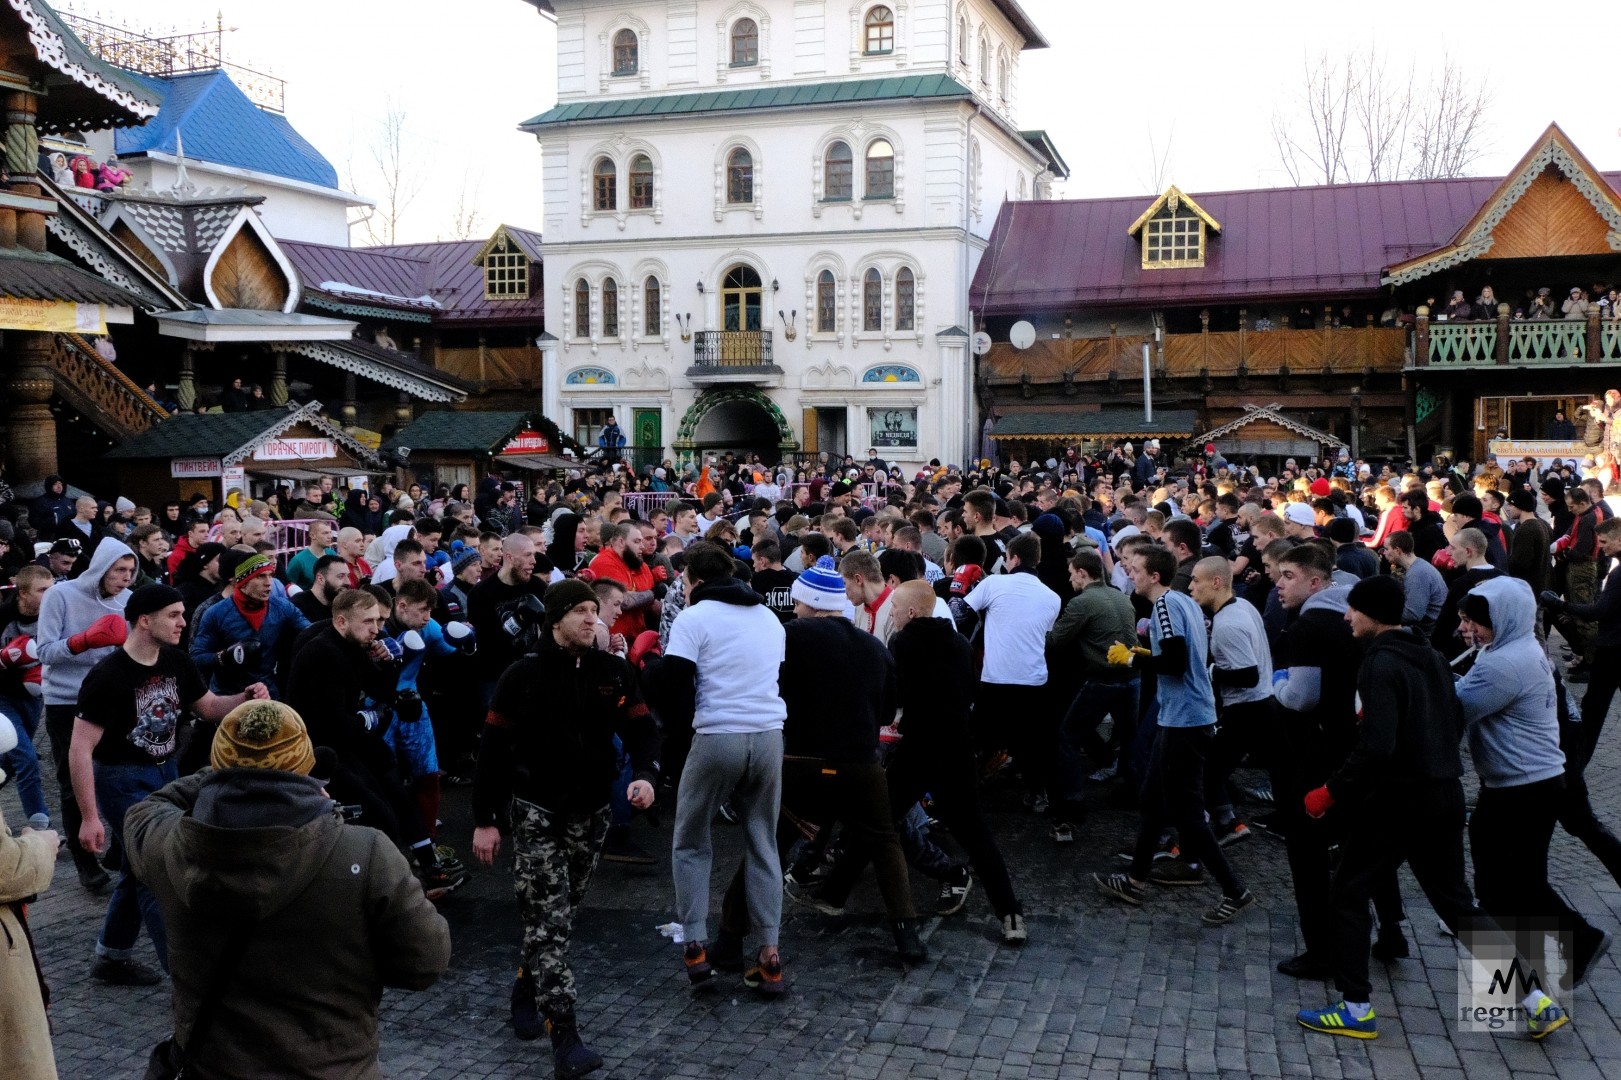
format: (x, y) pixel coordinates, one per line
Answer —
(544, 772)
(125, 735)
(81, 622)
(251, 867)
(241, 638)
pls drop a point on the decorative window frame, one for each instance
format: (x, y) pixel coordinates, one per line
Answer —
(722, 207)
(723, 43)
(511, 259)
(715, 276)
(813, 271)
(605, 60)
(962, 55)
(888, 264)
(594, 274)
(860, 133)
(1004, 78)
(650, 268)
(819, 181)
(619, 150)
(982, 60)
(591, 170)
(859, 57)
(976, 179)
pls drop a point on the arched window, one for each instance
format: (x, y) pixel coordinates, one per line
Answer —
(652, 307)
(641, 182)
(745, 43)
(625, 53)
(1001, 77)
(872, 300)
(739, 177)
(838, 173)
(880, 31)
(984, 60)
(1023, 189)
(880, 170)
(905, 299)
(826, 303)
(604, 185)
(962, 40)
(610, 308)
(741, 299)
(582, 308)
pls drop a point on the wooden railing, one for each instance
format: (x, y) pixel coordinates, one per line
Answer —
(1536, 343)
(1220, 354)
(100, 391)
(731, 348)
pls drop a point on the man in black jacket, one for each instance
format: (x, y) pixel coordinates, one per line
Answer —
(336, 668)
(547, 759)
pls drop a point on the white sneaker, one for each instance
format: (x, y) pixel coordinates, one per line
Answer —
(1013, 931)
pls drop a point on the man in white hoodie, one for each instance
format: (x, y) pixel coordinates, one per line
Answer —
(80, 622)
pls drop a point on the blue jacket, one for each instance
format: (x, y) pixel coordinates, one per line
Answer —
(222, 626)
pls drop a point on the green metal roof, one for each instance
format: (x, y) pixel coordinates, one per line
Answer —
(1100, 423)
(200, 435)
(906, 87)
(443, 429)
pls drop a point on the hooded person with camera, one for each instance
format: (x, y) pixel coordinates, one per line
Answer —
(543, 778)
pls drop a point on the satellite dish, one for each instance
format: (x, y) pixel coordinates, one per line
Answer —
(982, 343)
(1022, 334)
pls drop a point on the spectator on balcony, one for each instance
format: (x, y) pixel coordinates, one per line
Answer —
(1542, 306)
(1576, 305)
(1561, 428)
(235, 399)
(611, 438)
(1263, 322)
(1486, 304)
(1458, 307)
(1303, 319)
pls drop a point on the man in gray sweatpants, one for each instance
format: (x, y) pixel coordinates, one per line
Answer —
(719, 674)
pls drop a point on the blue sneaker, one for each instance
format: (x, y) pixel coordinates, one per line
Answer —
(1548, 1017)
(1337, 1020)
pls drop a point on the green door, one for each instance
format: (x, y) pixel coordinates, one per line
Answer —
(648, 437)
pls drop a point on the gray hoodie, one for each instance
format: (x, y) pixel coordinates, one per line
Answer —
(69, 608)
(1508, 696)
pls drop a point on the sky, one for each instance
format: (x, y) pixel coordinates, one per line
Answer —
(1184, 91)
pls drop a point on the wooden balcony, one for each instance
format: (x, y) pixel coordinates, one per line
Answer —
(720, 356)
(1234, 354)
(1503, 342)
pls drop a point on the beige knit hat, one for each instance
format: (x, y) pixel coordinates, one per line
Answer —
(263, 735)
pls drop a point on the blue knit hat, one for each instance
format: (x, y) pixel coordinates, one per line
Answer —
(821, 587)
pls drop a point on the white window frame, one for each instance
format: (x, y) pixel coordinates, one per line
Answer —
(722, 165)
(859, 57)
(760, 69)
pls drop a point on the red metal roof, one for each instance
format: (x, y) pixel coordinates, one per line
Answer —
(1293, 243)
(360, 267)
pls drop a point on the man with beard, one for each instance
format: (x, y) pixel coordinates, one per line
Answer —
(331, 576)
(621, 560)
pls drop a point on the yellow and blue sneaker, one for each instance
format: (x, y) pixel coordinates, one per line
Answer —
(1546, 1017)
(1338, 1020)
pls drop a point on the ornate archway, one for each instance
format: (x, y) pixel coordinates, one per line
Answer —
(686, 436)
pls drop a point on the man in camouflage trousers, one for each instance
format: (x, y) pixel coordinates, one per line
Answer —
(548, 758)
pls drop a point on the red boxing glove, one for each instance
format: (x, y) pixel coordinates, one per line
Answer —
(1318, 802)
(19, 652)
(645, 645)
(660, 574)
(105, 631)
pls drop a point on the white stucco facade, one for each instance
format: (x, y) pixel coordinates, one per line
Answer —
(862, 270)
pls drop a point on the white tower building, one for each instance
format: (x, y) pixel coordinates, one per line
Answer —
(762, 218)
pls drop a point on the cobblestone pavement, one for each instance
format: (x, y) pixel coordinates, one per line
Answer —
(1099, 991)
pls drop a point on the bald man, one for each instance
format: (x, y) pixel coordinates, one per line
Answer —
(935, 676)
(1241, 673)
(351, 543)
(490, 600)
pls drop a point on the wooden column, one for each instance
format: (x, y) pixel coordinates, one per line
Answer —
(185, 393)
(32, 428)
(1421, 337)
(21, 161)
(1502, 333)
(278, 381)
(1595, 340)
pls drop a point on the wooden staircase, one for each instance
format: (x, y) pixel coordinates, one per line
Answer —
(99, 391)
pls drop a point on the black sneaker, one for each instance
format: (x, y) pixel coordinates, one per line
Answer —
(765, 978)
(1120, 887)
(696, 960)
(571, 1057)
(908, 944)
(456, 780)
(1306, 966)
(439, 882)
(1013, 930)
(1587, 953)
(1390, 946)
(1166, 851)
(1233, 832)
(93, 877)
(124, 972)
(810, 897)
(526, 1021)
(620, 848)
(1229, 908)
(1175, 872)
(954, 892)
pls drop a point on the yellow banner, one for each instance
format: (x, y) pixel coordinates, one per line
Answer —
(52, 316)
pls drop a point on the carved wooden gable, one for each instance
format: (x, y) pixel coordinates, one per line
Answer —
(1553, 217)
(247, 275)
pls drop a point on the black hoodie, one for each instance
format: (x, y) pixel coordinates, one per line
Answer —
(1409, 725)
(934, 672)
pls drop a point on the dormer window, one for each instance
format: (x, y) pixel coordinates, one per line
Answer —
(506, 271)
(1174, 232)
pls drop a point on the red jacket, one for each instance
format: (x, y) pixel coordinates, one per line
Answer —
(608, 564)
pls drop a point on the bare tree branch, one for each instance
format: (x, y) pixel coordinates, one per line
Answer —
(398, 179)
(464, 217)
(1159, 162)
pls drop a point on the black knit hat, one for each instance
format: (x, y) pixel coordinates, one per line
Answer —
(149, 599)
(1380, 598)
(1342, 530)
(1468, 506)
(1522, 500)
(1476, 609)
(564, 596)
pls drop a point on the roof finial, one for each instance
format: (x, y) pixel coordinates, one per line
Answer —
(182, 181)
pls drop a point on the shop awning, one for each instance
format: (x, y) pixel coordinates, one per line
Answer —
(535, 462)
(1113, 423)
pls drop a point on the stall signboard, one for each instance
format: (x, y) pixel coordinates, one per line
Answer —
(1546, 451)
(528, 442)
(234, 478)
(295, 450)
(892, 429)
(53, 316)
(189, 468)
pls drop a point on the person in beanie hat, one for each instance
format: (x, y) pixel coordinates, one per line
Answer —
(125, 737)
(252, 847)
(544, 771)
(821, 587)
(239, 639)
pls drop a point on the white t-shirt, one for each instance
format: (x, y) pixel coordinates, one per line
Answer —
(1238, 641)
(1018, 611)
(737, 650)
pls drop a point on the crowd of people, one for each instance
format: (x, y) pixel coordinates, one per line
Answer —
(836, 658)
